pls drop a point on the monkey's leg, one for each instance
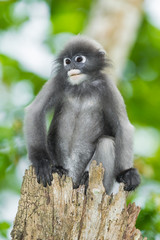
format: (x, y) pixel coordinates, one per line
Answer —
(105, 154)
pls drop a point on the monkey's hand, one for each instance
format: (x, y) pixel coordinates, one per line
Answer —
(43, 169)
(60, 170)
(130, 178)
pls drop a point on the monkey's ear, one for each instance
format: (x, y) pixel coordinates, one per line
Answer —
(102, 52)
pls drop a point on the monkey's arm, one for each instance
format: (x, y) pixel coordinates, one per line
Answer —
(116, 115)
(35, 132)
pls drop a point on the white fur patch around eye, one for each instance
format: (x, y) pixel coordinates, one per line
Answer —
(77, 79)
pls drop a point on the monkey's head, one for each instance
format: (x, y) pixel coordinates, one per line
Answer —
(81, 58)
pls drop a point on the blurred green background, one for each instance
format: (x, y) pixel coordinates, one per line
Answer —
(31, 32)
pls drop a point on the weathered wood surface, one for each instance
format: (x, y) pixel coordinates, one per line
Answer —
(60, 212)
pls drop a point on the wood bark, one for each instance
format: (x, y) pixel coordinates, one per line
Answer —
(59, 212)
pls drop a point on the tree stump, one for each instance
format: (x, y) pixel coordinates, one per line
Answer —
(59, 212)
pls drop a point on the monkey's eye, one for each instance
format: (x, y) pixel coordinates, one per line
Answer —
(67, 61)
(80, 59)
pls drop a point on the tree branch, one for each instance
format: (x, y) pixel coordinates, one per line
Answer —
(115, 24)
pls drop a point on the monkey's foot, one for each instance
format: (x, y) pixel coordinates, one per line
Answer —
(60, 170)
(85, 180)
(130, 178)
(43, 171)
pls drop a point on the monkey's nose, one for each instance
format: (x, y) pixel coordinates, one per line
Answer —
(73, 72)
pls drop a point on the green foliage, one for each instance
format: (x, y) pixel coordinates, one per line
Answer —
(154, 163)
(69, 15)
(4, 226)
(149, 218)
(13, 72)
(8, 16)
(140, 86)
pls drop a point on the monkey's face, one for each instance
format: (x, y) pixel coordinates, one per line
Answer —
(75, 68)
(80, 60)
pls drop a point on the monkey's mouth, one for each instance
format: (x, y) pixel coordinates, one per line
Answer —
(75, 76)
(74, 72)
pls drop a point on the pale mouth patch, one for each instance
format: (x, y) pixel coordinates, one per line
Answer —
(74, 72)
(75, 76)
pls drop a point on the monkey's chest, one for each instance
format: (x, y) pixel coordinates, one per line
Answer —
(80, 124)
